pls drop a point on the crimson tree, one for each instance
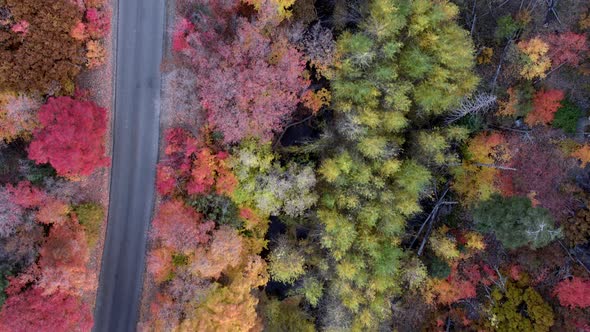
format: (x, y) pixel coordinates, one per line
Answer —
(71, 137)
(33, 311)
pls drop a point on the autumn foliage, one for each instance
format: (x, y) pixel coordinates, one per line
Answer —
(249, 78)
(573, 293)
(180, 228)
(192, 166)
(546, 103)
(71, 137)
(38, 55)
(31, 310)
(567, 48)
(475, 179)
(535, 59)
(540, 169)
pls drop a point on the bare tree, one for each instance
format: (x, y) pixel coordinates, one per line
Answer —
(478, 104)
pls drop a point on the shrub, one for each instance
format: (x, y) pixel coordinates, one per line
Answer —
(91, 217)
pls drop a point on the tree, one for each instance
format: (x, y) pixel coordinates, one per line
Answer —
(475, 178)
(47, 60)
(180, 227)
(286, 263)
(32, 310)
(159, 264)
(224, 251)
(25, 195)
(534, 59)
(506, 308)
(286, 315)
(407, 63)
(91, 216)
(71, 137)
(11, 214)
(546, 103)
(17, 116)
(583, 154)
(265, 184)
(573, 292)
(507, 28)
(577, 227)
(63, 260)
(209, 171)
(540, 173)
(567, 48)
(515, 222)
(232, 307)
(255, 56)
(567, 117)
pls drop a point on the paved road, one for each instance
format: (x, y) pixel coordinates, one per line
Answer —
(136, 130)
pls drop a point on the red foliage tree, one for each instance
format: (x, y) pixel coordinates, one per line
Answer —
(249, 78)
(567, 48)
(64, 257)
(26, 196)
(546, 103)
(540, 172)
(165, 180)
(180, 227)
(453, 288)
(573, 293)
(98, 23)
(71, 137)
(33, 311)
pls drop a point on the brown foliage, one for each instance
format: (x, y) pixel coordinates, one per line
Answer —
(577, 228)
(46, 59)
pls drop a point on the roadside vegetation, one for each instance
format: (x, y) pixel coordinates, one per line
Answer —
(53, 168)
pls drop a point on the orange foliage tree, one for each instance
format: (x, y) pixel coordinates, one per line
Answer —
(546, 103)
(583, 154)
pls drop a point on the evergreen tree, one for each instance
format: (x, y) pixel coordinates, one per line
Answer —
(515, 222)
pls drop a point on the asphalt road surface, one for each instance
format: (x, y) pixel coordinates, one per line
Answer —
(139, 44)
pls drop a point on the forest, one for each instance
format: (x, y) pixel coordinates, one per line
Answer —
(324, 165)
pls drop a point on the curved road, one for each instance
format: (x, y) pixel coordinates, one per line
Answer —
(139, 41)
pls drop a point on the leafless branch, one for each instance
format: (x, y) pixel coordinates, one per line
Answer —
(478, 104)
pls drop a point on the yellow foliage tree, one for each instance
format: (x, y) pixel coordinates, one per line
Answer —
(474, 178)
(534, 57)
